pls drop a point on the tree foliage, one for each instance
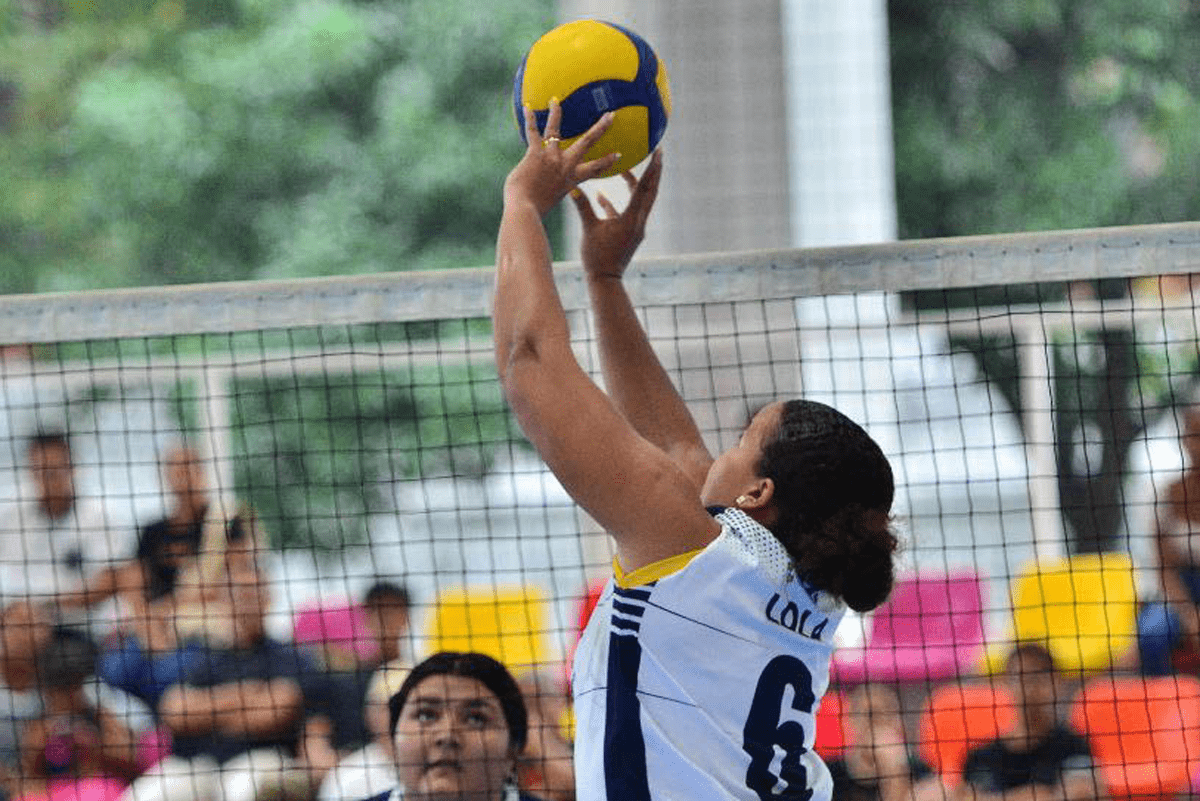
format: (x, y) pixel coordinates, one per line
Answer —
(1055, 114)
(161, 142)
(1044, 114)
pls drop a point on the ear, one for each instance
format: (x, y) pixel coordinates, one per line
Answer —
(758, 500)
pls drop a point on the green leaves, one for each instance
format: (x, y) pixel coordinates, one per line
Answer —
(158, 142)
(1043, 114)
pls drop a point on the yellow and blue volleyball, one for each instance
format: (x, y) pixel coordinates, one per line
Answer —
(593, 67)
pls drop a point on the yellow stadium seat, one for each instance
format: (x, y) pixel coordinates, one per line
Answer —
(1083, 608)
(505, 622)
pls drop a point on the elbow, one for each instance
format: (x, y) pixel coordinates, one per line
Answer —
(513, 363)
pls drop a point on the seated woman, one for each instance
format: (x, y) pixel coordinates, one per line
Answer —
(459, 725)
(169, 634)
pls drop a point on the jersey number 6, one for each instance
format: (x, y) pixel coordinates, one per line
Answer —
(763, 731)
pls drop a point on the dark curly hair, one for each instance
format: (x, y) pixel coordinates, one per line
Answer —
(833, 495)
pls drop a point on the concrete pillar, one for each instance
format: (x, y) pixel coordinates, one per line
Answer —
(725, 185)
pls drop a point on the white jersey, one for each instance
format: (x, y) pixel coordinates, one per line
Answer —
(699, 677)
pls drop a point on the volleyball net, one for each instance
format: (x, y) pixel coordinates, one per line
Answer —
(1026, 388)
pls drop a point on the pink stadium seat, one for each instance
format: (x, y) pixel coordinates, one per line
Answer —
(960, 717)
(930, 629)
(831, 737)
(1144, 733)
(341, 624)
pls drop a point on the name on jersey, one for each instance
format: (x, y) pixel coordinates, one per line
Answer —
(791, 618)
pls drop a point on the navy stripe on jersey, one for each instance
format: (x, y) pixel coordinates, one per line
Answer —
(625, 774)
(622, 623)
(629, 609)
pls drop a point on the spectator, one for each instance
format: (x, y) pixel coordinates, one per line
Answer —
(343, 646)
(52, 539)
(237, 717)
(1040, 758)
(166, 545)
(372, 769)
(459, 725)
(877, 764)
(1169, 630)
(26, 629)
(202, 611)
(387, 606)
(547, 766)
(165, 548)
(76, 747)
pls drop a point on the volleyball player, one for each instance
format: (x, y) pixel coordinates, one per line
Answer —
(703, 665)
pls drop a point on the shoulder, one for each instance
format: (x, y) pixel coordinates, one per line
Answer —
(740, 539)
(151, 535)
(918, 768)
(838, 770)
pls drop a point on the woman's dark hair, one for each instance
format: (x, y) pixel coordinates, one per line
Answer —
(833, 496)
(483, 669)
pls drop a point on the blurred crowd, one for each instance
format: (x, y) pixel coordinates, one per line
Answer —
(140, 667)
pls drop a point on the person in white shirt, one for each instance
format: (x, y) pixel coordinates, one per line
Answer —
(51, 539)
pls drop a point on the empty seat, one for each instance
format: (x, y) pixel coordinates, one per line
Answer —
(930, 629)
(1144, 733)
(505, 622)
(1083, 608)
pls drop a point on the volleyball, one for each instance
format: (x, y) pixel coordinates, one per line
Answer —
(593, 67)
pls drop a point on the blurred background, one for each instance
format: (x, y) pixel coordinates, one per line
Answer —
(146, 143)
(196, 140)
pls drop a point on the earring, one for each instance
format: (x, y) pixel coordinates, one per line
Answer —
(740, 501)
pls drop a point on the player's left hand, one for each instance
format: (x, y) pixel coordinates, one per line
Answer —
(548, 171)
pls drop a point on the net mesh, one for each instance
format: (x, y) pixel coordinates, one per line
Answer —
(1030, 391)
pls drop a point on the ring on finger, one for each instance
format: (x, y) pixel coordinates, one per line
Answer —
(550, 140)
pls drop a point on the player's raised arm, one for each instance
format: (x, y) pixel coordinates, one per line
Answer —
(589, 445)
(633, 375)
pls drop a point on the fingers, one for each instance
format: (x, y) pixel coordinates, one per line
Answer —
(553, 120)
(607, 205)
(646, 190)
(584, 143)
(593, 169)
(583, 206)
(532, 137)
